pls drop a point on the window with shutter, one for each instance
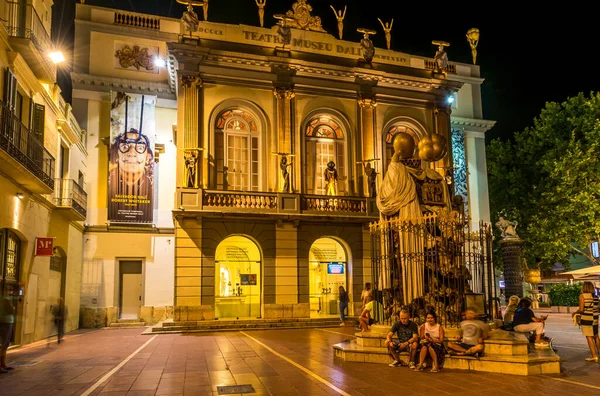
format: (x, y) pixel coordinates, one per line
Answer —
(10, 89)
(39, 121)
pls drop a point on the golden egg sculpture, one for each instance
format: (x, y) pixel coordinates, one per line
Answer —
(426, 149)
(440, 147)
(404, 145)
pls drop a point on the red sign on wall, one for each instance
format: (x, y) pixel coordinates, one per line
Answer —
(44, 246)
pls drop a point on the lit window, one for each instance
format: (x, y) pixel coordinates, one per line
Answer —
(594, 249)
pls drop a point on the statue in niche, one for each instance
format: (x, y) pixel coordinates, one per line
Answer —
(190, 169)
(508, 228)
(387, 29)
(190, 20)
(366, 45)
(339, 15)
(285, 173)
(331, 178)
(261, 11)
(441, 56)
(371, 179)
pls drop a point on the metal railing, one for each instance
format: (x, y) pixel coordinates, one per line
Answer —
(432, 263)
(23, 21)
(23, 146)
(67, 193)
(137, 20)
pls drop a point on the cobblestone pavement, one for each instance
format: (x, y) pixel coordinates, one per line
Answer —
(275, 362)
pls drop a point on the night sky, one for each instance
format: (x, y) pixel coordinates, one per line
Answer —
(527, 57)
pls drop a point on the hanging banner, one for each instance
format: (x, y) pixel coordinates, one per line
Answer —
(131, 156)
(44, 246)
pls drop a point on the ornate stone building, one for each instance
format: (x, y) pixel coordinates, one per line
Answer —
(43, 174)
(248, 219)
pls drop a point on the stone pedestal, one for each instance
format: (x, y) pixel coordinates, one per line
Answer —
(513, 273)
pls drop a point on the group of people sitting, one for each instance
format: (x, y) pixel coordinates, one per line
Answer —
(520, 317)
(426, 341)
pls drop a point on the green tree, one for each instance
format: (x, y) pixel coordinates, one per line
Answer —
(548, 179)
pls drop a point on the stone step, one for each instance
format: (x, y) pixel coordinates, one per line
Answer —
(129, 320)
(500, 342)
(220, 327)
(299, 321)
(127, 324)
(537, 361)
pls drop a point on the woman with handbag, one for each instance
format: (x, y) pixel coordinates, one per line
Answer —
(588, 309)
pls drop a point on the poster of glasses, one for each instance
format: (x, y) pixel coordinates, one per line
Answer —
(131, 158)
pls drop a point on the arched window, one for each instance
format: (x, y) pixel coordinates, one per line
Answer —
(389, 138)
(324, 142)
(237, 150)
(10, 258)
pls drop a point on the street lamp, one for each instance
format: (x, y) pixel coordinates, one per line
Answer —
(56, 57)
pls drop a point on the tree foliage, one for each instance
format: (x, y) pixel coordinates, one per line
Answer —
(548, 179)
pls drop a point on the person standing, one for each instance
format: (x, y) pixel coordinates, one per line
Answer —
(7, 322)
(588, 309)
(366, 295)
(60, 314)
(343, 304)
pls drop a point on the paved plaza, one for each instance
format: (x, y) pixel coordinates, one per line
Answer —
(274, 362)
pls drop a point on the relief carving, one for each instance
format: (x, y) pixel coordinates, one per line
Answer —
(135, 57)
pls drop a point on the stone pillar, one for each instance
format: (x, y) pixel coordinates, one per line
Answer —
(513, 274)
(283, 97)
(189, 130)
(367, 139)
(441, 115)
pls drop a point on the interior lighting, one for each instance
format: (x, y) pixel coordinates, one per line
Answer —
(56, 57)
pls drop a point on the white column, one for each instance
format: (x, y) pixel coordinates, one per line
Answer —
(479, 201)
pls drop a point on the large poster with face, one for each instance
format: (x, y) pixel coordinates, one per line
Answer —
(131, 156)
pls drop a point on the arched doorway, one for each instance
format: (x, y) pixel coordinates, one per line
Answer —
(10, 268)
(328, 270)
(237, 279)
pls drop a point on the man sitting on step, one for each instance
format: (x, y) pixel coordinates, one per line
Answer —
(473, 333)
(408, 340)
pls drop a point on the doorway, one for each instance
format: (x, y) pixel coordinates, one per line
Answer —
(327, 262)
(237, 279)
(130, 291)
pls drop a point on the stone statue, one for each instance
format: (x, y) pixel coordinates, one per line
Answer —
(284, 32)
(285, 173)
(190, 168)
(371, 179)
(507, 227)
(190, 20)
(366, 45)
(205, 9)
(261, 11)
(339, 15)
(441, 58)
(387, 28)
(331, 179)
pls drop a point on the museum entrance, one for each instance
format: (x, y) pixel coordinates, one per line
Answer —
(327, 272)
(237, 279)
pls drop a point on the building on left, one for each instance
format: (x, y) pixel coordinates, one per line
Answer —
(42, 175)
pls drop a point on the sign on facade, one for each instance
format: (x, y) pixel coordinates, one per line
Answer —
(44, 246)
(131, 167)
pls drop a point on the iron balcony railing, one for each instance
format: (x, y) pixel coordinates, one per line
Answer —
(67, 193)
(23, 21)
(23, 146)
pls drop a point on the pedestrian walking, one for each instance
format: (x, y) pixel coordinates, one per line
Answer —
(588, 309)
(343, 304)
(8, 313)
(59, 311)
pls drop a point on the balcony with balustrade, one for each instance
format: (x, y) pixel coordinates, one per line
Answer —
(28, 36)
(70, 199)
(22, 156)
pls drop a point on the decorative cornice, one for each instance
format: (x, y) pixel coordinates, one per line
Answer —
(473, 124)
(122, 83)
(367, 103)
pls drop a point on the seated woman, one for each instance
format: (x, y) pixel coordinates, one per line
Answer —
(513, 302)
(432, 343)
(373, 313)
(525, 321)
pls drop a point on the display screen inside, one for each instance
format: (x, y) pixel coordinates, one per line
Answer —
(335, 268)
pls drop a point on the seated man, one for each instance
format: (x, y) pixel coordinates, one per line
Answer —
(473, 332)
(408, 340)
(373, 313)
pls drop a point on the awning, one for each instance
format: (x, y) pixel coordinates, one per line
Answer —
(593, 272)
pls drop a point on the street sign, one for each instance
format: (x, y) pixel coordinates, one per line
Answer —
(44, 246)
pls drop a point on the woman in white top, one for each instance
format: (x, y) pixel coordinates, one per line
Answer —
(366, 295)
(432, 343)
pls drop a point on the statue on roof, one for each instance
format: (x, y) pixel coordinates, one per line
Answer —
(441, 57)
(387, 29)
(339, 15)
(284, 31)
(261, 11)
(301, 18)
(190, 20)
(366, 45)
